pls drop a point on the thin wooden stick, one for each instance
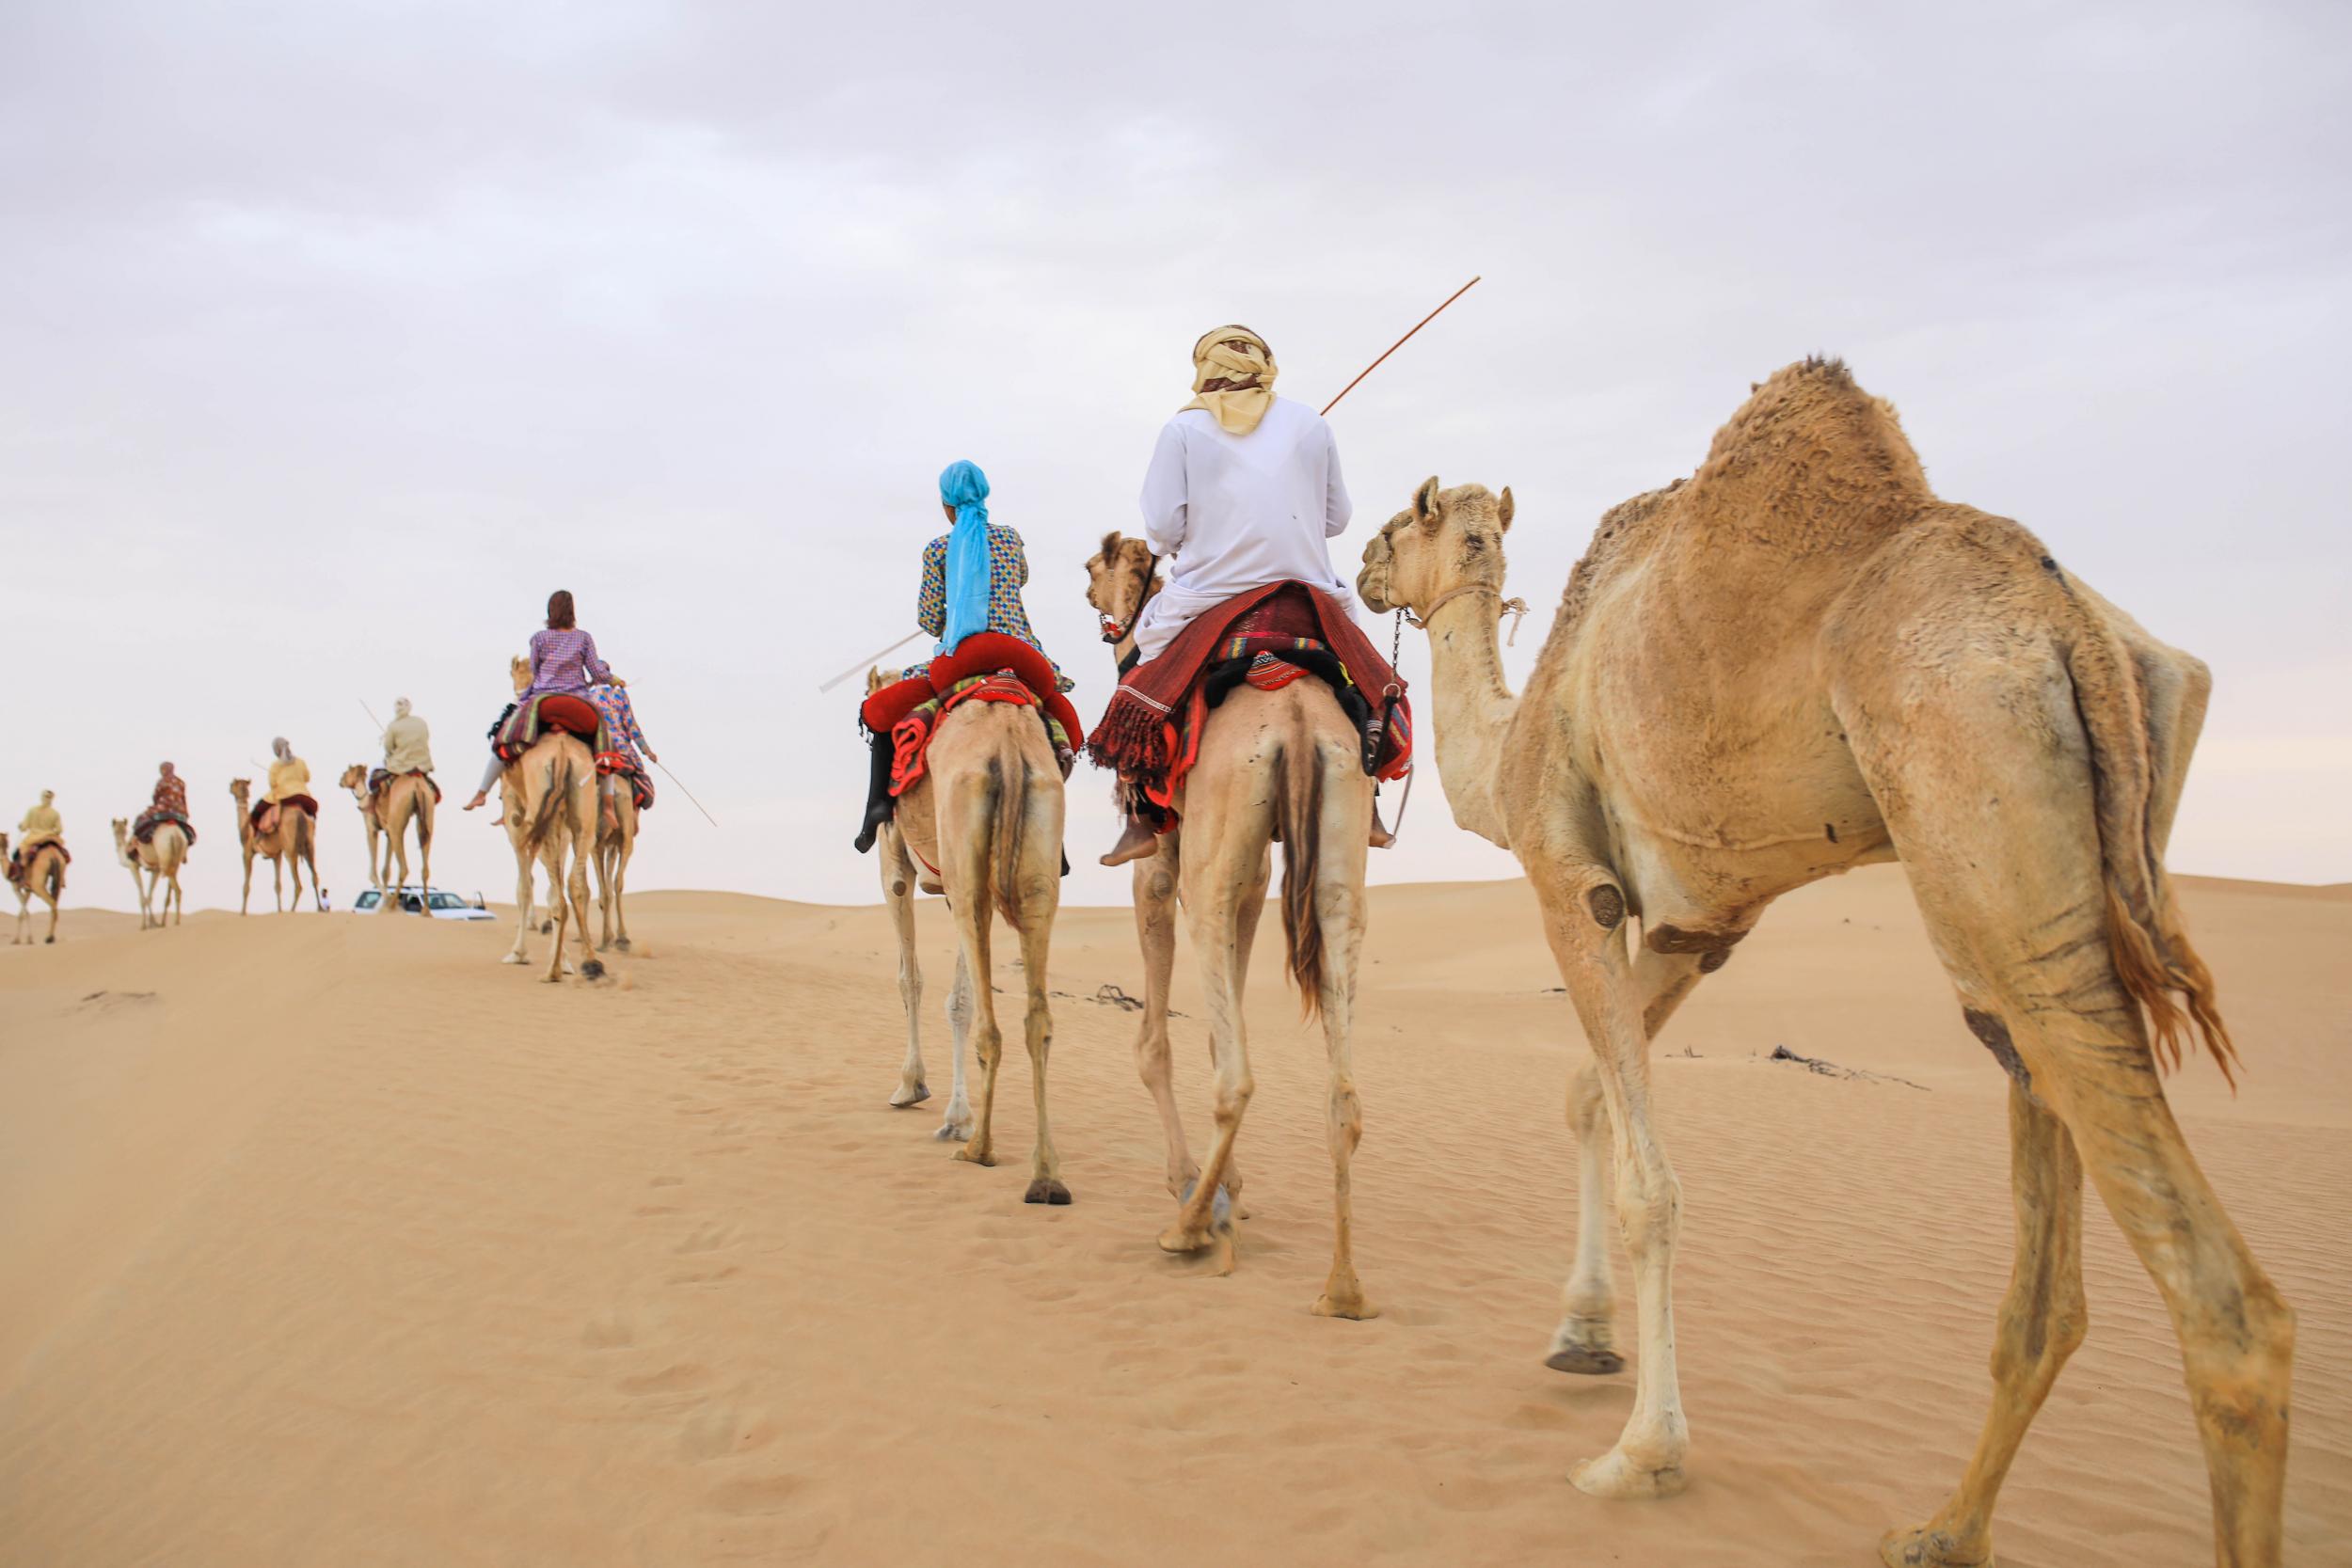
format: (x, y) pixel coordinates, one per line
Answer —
(688, 793)
(1400, 344)
(865, 663)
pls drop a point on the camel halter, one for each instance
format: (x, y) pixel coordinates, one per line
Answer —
(1516, 609)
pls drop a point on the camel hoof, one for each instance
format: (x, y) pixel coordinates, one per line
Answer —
(954, 1132)
(49, 942)
(1176, 1237)
(975, 1156)
(1927, 1548)
(1584, 1359)
(1046, 1189)
(622, 945)
(1614, 1476)
(592, 969)
(514, 958)
(906, 1097)
(1353, 1307)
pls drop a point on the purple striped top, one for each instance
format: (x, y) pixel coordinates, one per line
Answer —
(565, 661)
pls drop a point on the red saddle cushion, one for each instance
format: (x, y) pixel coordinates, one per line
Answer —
(573, 715)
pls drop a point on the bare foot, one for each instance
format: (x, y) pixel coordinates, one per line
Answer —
(1381, 837)
(481, 798)
(1134, 842)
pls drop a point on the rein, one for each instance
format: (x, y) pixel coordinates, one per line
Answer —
(1516, 609)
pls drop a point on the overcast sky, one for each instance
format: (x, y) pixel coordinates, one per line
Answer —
(336, 336)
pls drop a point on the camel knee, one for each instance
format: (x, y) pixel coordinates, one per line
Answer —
(1346, 1118)
(1649, 1208)
(1233, 1098)
(1151, 1054)
(1587, 1110)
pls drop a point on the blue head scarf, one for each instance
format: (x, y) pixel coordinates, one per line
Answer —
(962, 486)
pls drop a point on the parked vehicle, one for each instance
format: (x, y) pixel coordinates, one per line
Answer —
(436, 902)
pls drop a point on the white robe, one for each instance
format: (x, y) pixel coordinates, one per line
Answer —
(1238, 512)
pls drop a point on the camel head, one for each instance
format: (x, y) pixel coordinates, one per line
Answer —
(1120, 579)
(242, 789)
(354, 775)
(1447, 540)
(518, 669)
(877, 677)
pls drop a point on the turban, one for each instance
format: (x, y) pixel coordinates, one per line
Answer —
(279, 746)
(962, 486)
(400, 708)
(1238, 356)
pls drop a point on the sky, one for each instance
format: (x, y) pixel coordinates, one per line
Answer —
(336, 337)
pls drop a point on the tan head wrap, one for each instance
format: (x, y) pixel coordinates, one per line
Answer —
(1239, 357)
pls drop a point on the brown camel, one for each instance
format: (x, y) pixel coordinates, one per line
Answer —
(1798, 661)
(406, 797)
(1121, 578)
(1285, 761)
(45, 874)
(985, 820)
(154, 865)
(616, 842)
(291, 843)
(354, 779)
(548, 802)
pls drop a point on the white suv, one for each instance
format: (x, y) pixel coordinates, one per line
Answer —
(431, 901)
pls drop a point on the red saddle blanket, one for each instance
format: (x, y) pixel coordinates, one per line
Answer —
(154, 818)
(1151, 733)
(289, 801)
(639, 786)
(551, 710)
(382, 776)
(911, 737)
(985, 652)
(20, 859)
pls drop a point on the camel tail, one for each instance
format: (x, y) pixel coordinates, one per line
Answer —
(1299, 809)
(1010, 785)
(2146, 937)
(552, 803)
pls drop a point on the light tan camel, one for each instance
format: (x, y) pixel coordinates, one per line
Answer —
(1287, 762)
(354, 779)
(1121, 578)
(1798, 662)
(154, 865)
(406, 797)
(985, 821)
(45, 874)
(616, 842)
(548, 802)
(290, 845)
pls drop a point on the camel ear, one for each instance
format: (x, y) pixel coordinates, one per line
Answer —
(1111, 542)
(1503, 509)
(1425, 503)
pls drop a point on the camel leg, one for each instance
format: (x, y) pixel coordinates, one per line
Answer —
(2042, 1319)
(1585, 1341)
(972, 917)
(582, 842)
(245, 898)
(1228, 825)
(1588, 944)
(523, 864)
(423, 813)
(1345, 828)
(2006, 862)
(395, 851)
(560, 913)
(625, 852)
(278, 881)
(957, 1126)
(1156, 933)
(1036, 932)
(897, 885)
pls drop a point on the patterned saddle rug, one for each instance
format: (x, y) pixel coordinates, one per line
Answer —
(911, 736)
(154, 818)
(18, 860)
(639, 786)
(379, 777)
(551, 710)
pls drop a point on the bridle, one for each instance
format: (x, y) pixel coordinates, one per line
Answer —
(1516, 609)
(1114, 632)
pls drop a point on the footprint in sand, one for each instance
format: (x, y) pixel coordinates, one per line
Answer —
(706, 1238)
(722, 1431)
(676, 1378)
(756, 1495)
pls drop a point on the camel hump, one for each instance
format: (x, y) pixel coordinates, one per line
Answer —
(1810, 459)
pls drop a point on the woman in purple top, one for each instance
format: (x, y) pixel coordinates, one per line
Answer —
(563, 659)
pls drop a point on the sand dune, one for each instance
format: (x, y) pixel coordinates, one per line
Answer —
(330, 1240)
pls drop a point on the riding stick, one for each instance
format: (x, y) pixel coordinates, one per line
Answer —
(1400, 343)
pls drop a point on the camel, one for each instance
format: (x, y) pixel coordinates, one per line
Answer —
(290, 844)
(548, 802)
(1121, 578)
(985, 822)
(45, 874)
(406, 797)
(1798, 661)
(900, 879)
(154, 864)
(616, 842)
(354, 779)
(1288, 761)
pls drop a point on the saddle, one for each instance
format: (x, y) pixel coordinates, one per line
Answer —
(154, 818)
(911, 736)
(265, 813)
(379, 777)
(21, 858)
(639, 786)
(551, 710)
(1267, 638)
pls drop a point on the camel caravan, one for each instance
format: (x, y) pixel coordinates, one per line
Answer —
(1859, 672)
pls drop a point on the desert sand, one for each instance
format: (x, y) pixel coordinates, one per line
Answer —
(331, 1239)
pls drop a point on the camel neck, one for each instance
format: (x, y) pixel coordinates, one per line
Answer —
(1472, 708)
